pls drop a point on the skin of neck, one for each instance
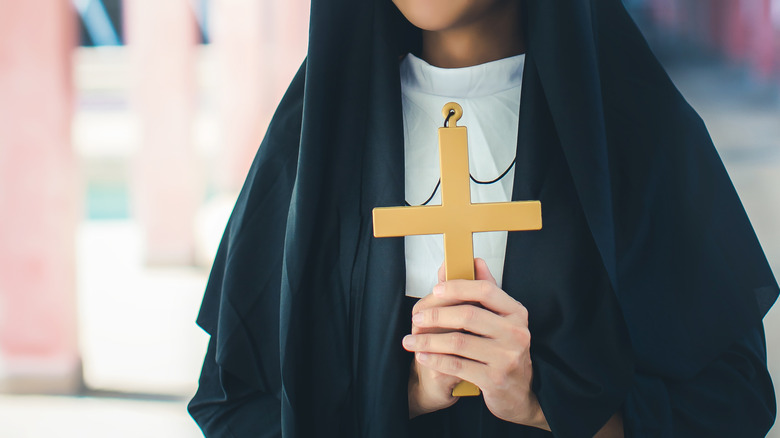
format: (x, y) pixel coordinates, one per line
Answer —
(495, 35)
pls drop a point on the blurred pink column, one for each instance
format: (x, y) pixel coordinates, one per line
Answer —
(38, 199)
(259, 45)
(762, 39)
(748, 35)
(736, 27)
(721, 19)
(775, 14)
(161, 37)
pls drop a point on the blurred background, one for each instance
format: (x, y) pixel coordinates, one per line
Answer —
(126, 130)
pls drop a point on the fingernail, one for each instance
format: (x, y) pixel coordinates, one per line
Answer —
(438, 290)
(417, 318)
(408, 341)
(422, 357)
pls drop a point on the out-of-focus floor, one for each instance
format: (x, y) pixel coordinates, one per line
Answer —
(138, 336)
(88, 417)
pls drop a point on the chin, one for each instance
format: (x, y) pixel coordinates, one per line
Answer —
(437, 15)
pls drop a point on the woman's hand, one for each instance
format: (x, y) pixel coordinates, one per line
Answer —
(472, 330)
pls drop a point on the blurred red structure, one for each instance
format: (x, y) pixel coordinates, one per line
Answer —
(161, 38)
(746, 31)
(38, 198)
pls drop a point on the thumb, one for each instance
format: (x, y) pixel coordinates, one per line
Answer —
(442, 275)
(482, 272)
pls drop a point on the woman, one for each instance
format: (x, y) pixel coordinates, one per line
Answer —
(636, 310)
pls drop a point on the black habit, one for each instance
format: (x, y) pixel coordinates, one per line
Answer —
(646, 288)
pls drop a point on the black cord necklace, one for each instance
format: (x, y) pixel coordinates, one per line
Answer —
(438, 183)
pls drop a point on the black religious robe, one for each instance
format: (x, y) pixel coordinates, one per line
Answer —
(645, 289)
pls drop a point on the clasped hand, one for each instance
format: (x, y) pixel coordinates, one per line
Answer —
(474, 331)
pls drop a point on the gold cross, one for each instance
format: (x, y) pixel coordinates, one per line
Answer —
(457, 218)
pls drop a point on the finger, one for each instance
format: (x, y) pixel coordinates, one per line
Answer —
(439, 379)
(459, 367)
(462, 317)
(461, 344)
(416, 330)
(434, 376)
(482, 272)
(483, 292)
(432, 300)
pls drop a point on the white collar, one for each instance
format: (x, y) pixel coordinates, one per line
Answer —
(474, 81)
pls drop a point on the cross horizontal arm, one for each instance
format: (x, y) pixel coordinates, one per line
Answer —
(408, 221)
(506, 216)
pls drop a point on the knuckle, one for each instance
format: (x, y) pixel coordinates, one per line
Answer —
(458, 341)
(438, 361)
(468, 313)
(485, 288)
(455, 364)
(514, 361)
(521, 335)
(522, 311)
(434, 315)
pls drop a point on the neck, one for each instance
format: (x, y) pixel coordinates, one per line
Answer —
(495, 36)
